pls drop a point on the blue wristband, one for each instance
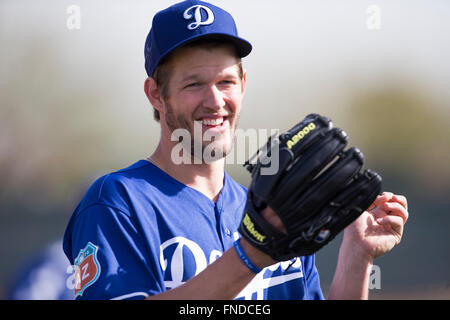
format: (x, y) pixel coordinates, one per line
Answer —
(244, 258)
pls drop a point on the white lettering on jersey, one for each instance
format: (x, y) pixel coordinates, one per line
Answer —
(256, 286)
(259, 283)
(177, 263)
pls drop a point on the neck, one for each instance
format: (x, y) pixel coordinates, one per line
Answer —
(203, 177)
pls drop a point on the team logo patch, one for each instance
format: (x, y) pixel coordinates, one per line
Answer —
(87, 268)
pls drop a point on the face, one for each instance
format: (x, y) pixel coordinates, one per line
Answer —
(204, 97)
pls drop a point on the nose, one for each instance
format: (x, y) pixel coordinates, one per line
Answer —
(214, 99)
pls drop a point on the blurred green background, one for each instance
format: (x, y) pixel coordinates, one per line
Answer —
(72, 108)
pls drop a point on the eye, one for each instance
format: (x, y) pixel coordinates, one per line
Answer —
(227, 82)
(192, 85)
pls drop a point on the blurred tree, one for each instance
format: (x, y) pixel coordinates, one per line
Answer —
(56, 131)
(53, 128)
(403, 133)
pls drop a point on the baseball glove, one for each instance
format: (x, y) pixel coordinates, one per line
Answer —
(317, 191)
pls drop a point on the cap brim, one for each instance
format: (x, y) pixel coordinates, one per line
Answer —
(242, 46)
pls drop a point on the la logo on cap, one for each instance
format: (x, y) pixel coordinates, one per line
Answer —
(196, 13)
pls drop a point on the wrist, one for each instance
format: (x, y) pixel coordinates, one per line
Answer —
(355, 253)
(352, 260)
(244, 258)
(353, 264)
(351, 279)
(257, 257)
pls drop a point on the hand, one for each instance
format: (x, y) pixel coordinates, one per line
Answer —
(380, 228)
(272, 217)
(258, 257)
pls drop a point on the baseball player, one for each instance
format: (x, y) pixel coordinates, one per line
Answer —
(165, 229)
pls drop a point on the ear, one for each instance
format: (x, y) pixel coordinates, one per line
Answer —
(244, 81)
(153, 93)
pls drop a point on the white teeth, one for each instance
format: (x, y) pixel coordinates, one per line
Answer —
(212, 122)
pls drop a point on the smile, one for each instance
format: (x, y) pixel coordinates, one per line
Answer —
(212, 122)
(217, 123)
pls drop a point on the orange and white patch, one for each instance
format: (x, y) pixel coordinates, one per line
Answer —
(87, 268)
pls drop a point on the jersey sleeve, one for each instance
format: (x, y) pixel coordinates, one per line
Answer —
(312, 279)
(109, 256)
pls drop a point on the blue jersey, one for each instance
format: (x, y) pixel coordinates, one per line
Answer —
(138, 232)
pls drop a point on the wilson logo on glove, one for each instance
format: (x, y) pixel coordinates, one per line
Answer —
(250, 226)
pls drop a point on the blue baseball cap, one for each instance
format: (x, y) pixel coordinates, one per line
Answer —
(185, 22)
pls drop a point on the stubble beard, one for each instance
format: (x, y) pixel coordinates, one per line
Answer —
(180, 121)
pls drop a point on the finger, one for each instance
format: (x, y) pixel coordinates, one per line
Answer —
(395, 209)
(400, 199)
(395, 222)
(385, 196)
(378, 212)
(272, 217)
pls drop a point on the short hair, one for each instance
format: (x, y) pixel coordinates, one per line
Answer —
(163, 71)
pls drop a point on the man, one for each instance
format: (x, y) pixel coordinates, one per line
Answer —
(164, 229)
